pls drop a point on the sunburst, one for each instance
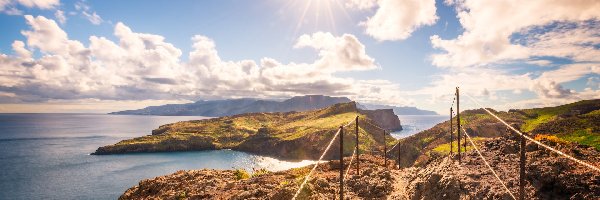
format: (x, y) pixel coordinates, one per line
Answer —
(315, 14)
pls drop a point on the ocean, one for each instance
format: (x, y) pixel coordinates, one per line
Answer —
(46, 156)
(412, 124)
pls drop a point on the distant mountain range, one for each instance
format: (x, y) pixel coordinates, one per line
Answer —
(403, 110)
(218, 108)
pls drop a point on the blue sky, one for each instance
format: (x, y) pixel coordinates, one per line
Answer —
(405, 53)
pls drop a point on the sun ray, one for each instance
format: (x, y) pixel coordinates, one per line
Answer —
(301, 19)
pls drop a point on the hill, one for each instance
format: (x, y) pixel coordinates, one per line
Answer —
(289, 135)
(577, 123)
(219, 108)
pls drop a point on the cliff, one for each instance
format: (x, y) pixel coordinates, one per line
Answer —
(385, 118)
(289, 135)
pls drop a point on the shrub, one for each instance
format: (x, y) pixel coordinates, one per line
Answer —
(241, 174)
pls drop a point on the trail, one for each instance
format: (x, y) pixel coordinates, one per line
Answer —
(399, 187)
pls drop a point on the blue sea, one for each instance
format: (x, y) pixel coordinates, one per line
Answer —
(46, 156)
(412, 124)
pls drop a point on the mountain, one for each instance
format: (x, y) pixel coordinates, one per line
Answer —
(403, 110)
(219, 108)
(290, 135)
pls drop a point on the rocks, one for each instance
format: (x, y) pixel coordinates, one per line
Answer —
(548, 176)
(222, 184)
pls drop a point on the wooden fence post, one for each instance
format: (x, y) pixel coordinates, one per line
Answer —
(451, 133)
(341, 162)
(357, 150)
(458, 121)
(398, 146)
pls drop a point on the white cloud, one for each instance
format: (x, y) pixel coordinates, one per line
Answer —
(94, 18)
(88, 13)
(42, 4)
(593, 82)
(60, 16)
(19, 48)
(9, 6)
(540, 62)
(361, 4)
(141, 66)
(489, 26)
(338, 53)
(397, 20)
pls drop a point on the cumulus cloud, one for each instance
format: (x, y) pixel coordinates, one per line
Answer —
(489, 30)
(19, 48)
(397, 20)
(142, 66)
(337, 53)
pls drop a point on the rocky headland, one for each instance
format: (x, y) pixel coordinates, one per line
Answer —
(287, 135)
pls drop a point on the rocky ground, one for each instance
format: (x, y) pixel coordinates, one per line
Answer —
(548, 176)
(374, 182)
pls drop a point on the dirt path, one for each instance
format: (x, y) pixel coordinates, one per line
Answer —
(399, 186)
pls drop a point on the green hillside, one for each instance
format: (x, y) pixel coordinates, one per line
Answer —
(294, 135)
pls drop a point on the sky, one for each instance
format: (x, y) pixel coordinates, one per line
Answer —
(102, 56)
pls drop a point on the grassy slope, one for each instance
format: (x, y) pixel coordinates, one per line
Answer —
(232, 131)
(576, 122)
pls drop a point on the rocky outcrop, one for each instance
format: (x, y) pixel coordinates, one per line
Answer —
(548, 176)
(384, 118)
(375, 182)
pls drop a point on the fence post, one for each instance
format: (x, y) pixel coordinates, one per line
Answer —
(398, 146)
(384, 151)
(522, 170)
(341, 162)
(451, 133)
(357, 152)
(458, 121)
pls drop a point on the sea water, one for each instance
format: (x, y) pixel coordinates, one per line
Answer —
(412, 124)
(46, 156)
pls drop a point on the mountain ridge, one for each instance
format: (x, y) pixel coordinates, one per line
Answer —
(227, 107)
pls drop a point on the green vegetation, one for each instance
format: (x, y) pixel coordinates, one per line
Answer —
(585, 137)
(531, 124)
(241, 174)
(538, 116)
(259, 172)
(291, 134)
(444, 149)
